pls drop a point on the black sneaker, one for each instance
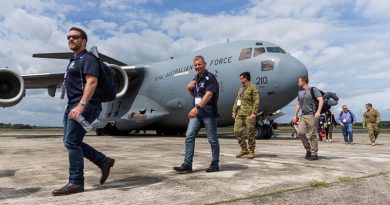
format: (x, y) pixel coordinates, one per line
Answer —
(308, 154)
(183, 168)
(313, 157)
(213, 168)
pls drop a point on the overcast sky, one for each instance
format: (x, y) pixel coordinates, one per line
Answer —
(345, 44)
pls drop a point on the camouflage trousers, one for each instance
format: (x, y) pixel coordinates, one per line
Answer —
(373, 131)
(240, 124)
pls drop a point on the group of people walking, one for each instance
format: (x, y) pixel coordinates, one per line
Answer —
(346, 119)
(312, 120)
(84, 101)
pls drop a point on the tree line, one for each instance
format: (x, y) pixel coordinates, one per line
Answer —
(20, 126)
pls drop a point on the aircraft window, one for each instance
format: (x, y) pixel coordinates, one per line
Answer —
(258, 51)
(245, 53)
(267, 65)
(275, 50)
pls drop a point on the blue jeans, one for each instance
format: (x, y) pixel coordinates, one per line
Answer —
(77, 149)
(347, 132)
(193, 128)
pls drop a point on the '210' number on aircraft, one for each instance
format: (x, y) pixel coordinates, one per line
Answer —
(261, 80)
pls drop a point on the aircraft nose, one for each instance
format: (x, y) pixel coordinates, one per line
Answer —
(289, 70)
(292, 68)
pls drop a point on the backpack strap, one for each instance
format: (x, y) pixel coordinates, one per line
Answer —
(352, 119)
(312, 94)
(82, 60)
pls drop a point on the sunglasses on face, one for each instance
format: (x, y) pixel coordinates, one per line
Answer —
(75, 37)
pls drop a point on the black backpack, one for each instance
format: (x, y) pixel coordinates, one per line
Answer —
(328, 96)
(106, 86)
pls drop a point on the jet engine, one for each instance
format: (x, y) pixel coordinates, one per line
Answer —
(11, 88)
(121, 79)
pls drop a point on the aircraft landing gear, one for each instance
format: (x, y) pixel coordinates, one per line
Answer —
(167, 132)
(263, 131)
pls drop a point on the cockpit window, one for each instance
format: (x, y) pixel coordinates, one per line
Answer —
(258, 51)
(275, 50)
(267, 65)
(245, 53)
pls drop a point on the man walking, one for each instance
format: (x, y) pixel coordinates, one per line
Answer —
(204, 88)
(80, 82)
(308, 122)
(244, 112)
(371, 120)
(346, 119)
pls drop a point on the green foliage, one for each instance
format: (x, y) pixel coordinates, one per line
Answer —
(315, 183)
(345, 179)
(16, 126)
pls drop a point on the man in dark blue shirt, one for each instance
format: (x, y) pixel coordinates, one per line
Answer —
(205, 90)
(80, 82)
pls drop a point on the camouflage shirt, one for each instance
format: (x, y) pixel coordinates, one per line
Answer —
(250, 100)
(371, 117)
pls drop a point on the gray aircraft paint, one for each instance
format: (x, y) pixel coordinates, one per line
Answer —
(165, 101)
(157, 98)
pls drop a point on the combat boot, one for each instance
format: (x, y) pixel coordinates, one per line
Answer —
(251, 155)
(242, 153)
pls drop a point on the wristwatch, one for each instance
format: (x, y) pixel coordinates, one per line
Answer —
(198, 107)
(83, 102)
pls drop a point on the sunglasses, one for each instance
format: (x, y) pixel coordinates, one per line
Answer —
(75, 37)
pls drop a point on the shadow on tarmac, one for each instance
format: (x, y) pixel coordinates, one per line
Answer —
(7, 173)
(129, 183)
(9, 193)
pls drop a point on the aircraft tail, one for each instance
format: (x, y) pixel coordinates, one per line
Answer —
(68, 55)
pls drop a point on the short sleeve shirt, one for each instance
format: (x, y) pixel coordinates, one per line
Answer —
(308, 104)
(78, 67)
(208, 82)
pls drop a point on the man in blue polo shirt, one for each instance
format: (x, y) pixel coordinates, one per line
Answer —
(80, 82)
(205, 90)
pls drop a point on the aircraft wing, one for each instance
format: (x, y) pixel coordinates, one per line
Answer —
(43, 80)
(51, 81)
(68, 55)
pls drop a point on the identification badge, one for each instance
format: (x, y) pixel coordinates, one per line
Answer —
(238, 102)
(197, 101)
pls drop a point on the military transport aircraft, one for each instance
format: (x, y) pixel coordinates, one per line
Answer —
(154, 96)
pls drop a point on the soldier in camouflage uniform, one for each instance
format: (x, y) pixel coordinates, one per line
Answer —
(244, 112)
(371, 119)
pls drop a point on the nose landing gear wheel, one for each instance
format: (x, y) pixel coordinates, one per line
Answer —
(263, 132)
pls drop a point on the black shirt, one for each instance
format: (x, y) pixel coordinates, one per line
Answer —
(208, 82)
(75, 78)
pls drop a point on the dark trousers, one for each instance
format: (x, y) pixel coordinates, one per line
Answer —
(73, 139)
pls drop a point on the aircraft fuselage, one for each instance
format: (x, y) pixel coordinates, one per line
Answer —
(163, 101)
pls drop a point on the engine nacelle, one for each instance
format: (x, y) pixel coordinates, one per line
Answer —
(11, 88)
(122, 80)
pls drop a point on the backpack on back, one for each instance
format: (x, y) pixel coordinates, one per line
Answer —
(106, 83)
(106, 86)
(330, 99)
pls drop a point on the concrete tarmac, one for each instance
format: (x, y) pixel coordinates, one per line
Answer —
(33, 164)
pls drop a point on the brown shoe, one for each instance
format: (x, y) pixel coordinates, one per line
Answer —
(242, 153)
(106, 169)
(251, 155)
(68, 189)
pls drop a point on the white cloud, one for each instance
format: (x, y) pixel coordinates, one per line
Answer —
(376, 9)
(343, 55)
